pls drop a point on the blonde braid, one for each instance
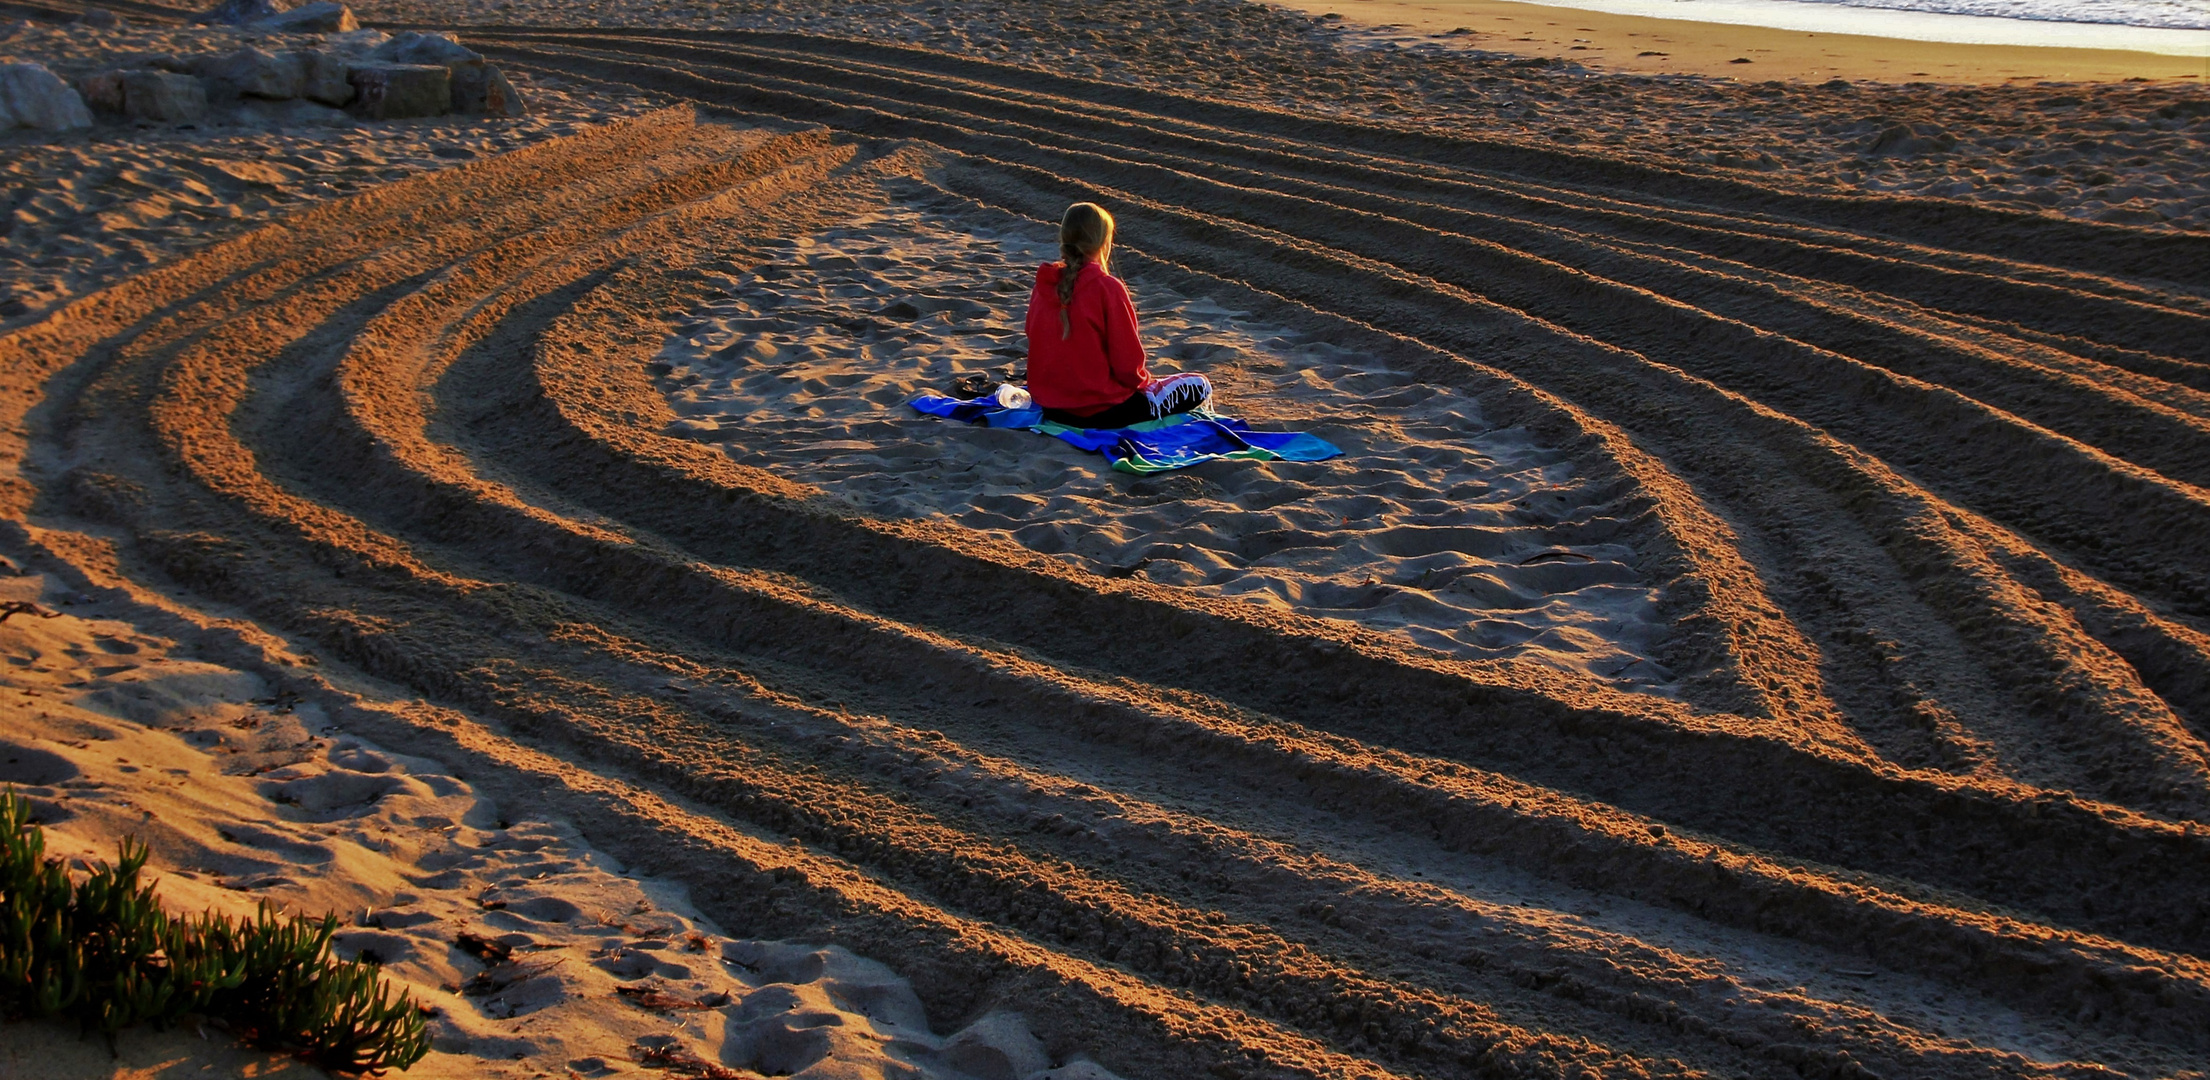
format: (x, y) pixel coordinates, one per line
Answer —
(1070, 264)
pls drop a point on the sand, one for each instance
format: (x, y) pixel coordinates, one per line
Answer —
(1630, 43)
(572, 481)
(248, 796)
(2070, 144)
(85, 207)
(1437, 525)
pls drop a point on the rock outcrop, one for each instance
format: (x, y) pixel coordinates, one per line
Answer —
(163, 97)
(415, 47)
(241, 12)
(322, 17)
(251, 72)
(32, 96)
(375, 75)
(481, 88)
(102, 92)
(477, 86)
(328, 78)
(386, 91)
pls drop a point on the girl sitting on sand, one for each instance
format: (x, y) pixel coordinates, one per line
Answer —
(1085, 361)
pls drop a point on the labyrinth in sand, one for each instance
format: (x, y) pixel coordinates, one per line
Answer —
(1918, 489)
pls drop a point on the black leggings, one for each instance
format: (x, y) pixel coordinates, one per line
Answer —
(1160, 398)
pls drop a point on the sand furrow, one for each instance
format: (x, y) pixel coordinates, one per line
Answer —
(2114, 309)
(2150, 432)
(1969, 230)
(790, 801)
(1964, 445)
(2113, 520)
(1950, 576)
(578, 375)
(424, 431)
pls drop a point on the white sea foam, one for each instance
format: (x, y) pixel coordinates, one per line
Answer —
(2174, 27)
(2166, 14)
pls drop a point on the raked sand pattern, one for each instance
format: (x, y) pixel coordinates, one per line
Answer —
(1918, 488)
(525, 946)
(1469, 539)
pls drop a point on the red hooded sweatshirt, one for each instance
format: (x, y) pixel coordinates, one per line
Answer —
(1099, 363)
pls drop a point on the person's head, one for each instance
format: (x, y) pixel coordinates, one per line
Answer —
(1085, 236)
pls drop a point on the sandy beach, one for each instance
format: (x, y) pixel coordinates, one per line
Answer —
(524, 945)
(1759, 625)
(1639, 44)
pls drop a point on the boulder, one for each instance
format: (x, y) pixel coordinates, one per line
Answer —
(33, 97)
(163, 97)
(146, 94)
(327, 78)
(298, 112)
(477, 87)
(102, 91)
(355, 41)
(321, 17)
(251, 72)
(413, 47)
(383, 91)
(482, 89)
(241, 12)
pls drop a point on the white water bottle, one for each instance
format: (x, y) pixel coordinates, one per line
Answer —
(1013, 397)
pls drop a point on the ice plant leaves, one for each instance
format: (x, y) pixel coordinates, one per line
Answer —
(103, 951)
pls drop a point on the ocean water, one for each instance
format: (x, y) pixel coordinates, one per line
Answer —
(2163, 14)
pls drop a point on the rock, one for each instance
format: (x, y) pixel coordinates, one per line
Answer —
(398, 91)
(476, 86)
(300, 112)
(163, 97)
(251, 72)
(480, 88)
(327, 78)
(34, 97)
(321, 17)
(413, 47)
(99, 18)
(240, 12)
(102, 91)
(355, 41)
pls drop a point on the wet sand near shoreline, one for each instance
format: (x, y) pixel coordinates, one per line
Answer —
(1654, 46)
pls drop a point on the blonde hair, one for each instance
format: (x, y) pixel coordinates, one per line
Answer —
(1085, 234)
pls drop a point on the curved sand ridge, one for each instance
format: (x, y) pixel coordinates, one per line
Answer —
(1468, 539)
(1917, 485)
(526, 946)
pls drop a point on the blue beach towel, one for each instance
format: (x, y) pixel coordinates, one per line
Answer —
(1154, 446)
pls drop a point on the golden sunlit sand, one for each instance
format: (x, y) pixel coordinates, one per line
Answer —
(1631, 43)
(1759, 625)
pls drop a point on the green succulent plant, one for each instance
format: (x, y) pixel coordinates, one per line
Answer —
(104, 952)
